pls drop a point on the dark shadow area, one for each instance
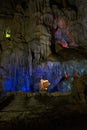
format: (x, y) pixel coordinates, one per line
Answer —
(43, 111)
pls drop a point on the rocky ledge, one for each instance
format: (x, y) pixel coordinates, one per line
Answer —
(42, 110)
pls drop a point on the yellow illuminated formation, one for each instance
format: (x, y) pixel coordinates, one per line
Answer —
(44, 84)
(8, 33)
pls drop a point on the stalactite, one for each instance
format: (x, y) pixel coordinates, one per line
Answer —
(35, 9)
(40, 5)
(37, 5)
(65, 3)
(30, 62)
(44, 3)
(31, 5)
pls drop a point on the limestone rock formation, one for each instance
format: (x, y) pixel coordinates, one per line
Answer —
(27, 43)
(79, 89)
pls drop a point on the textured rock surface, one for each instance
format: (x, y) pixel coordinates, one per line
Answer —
(41, 111)
(79, 89)
(28, 53)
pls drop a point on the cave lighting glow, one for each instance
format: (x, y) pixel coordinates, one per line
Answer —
(8, 34)
(15, 84)
(19, 79)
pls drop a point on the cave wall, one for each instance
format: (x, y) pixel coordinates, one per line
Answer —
(30, 17)
(35, 20)
(31, 25)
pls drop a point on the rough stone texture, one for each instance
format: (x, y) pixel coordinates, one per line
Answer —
(41, 111)
(79, 89)
(27, 56)
(32, 25)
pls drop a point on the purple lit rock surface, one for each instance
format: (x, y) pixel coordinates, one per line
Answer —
(18, 74)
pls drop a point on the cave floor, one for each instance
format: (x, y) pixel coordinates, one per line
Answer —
(42, 111)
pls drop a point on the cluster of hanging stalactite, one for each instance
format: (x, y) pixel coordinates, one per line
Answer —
(37, 5)
(33, 31)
